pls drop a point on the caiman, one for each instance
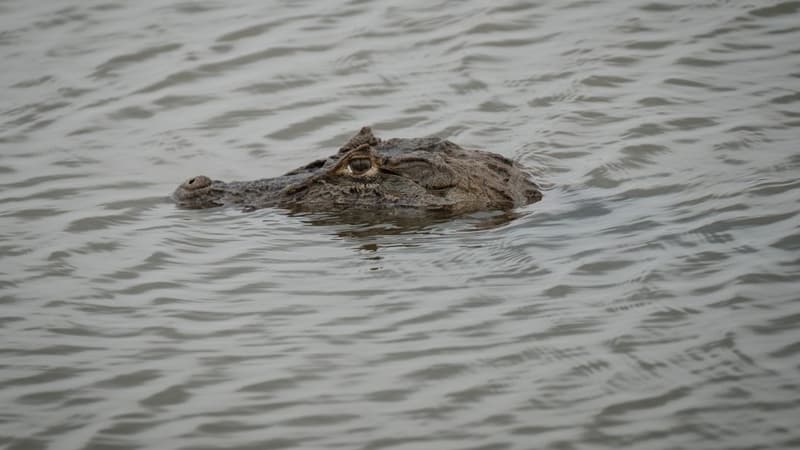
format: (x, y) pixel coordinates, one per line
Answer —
(367, 173)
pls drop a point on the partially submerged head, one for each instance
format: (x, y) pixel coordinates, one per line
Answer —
(367, 173)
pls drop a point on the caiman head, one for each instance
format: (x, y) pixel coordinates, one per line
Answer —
(427, 174)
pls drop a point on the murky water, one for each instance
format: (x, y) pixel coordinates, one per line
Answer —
(650, 301)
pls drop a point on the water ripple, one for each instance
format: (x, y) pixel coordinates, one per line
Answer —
(648, 301)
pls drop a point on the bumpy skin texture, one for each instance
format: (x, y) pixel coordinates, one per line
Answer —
(426, 174)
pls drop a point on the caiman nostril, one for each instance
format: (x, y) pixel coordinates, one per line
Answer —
(198, 182)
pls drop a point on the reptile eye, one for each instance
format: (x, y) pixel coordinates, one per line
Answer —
(359, 165)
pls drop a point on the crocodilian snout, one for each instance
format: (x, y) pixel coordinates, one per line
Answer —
(199, 192)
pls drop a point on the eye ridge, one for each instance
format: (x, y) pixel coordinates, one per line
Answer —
(359, 165)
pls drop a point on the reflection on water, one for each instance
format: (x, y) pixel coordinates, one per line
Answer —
(363, 224)
(649, 301)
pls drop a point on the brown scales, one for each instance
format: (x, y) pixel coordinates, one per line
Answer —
(368, 173)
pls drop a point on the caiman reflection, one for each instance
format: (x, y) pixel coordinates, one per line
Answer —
(367, 173)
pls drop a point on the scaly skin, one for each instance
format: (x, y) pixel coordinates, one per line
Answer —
(426, 174)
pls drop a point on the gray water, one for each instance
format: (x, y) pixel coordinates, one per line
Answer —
(649, 301)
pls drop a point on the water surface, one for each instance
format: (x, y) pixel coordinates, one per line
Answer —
(649, 301)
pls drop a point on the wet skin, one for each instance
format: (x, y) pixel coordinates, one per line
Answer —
(367, 173)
